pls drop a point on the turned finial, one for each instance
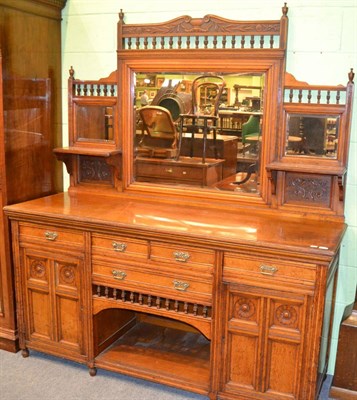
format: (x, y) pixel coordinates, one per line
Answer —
(121, 15)
(71, 72)
(351, 75)
(285, 10)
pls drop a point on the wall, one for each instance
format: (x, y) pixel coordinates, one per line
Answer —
(321, 50)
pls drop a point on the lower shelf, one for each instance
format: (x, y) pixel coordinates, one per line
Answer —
(162, 354)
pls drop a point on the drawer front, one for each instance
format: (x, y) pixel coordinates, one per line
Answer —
(169, 171)
(119, 247)
(160, 284)
(183, 257)
(238, 265)
(50, 234)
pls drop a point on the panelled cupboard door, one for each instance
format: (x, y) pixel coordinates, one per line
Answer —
(53, 301)
(264, 343)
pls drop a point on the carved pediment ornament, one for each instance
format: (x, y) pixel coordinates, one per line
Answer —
(209, 23)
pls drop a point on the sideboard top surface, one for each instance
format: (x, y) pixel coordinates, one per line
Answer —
(172, 222)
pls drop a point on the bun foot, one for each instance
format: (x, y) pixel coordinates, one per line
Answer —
(93, 371)
(25, 353)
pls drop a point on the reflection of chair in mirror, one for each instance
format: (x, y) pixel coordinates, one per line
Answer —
(159, 133)
(206, 93)
(250, 142)
(251, 134)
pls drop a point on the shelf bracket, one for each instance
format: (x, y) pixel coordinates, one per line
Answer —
(67, 160)
(341, 187)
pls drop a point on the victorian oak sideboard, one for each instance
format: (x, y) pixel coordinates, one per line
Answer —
(221, 288)
(219, 303)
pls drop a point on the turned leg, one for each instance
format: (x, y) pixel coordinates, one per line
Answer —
(25, 353)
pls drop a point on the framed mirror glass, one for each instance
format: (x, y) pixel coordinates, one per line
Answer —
(94, 122)
(311, 135)
(202, 130)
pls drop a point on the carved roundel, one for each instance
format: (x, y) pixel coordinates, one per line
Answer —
(286, 315)
(244, 308)
(37, 269)
(67, 274)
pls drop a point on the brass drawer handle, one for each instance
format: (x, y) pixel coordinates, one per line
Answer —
(181, 286)
(267, 270)
(119, 275)
(52, 236)
(181, 256)
(121, 247)
(169, 170)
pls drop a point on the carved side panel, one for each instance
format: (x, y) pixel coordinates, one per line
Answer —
(308, 189)
(243, 341)
(94, 169)
(264, 342)
(38, 298)
(66, 288)
(284, 345)
(53, 301)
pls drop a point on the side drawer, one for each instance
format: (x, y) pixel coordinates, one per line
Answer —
(149, 282)
(183, 257)
(119, 247)
(237, 266)
(50, 234)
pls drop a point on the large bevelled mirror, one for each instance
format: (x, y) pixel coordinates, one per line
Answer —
(201, 130)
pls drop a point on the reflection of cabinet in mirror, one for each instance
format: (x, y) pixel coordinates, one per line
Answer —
(186, 280)
(94, 122)
(315, 135)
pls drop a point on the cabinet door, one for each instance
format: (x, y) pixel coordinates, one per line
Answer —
(264, 342)
(53, 301)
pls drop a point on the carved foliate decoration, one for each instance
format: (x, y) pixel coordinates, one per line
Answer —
(308, 188)
(94, 169)
(67, 274)
(209, 23)
(38, 269)
(244, 308)
(286, 315)
(189, 32)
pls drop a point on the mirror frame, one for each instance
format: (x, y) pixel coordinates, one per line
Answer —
(338, 111)
(103, 103)
(141, 59)
(273, 71)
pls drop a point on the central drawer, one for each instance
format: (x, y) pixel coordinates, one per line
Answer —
(119, 247)
(180, 257)
(151, 281)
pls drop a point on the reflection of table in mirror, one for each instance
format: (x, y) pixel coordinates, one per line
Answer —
(294, 144)
(187, 170)
(226, 147)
